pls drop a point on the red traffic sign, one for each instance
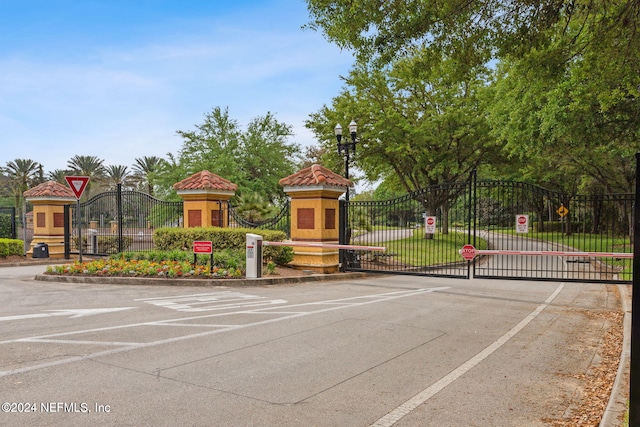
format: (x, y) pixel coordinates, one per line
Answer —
(522, 220)
(77, 184)
(468, 252)
(202, 247)
(431, 220)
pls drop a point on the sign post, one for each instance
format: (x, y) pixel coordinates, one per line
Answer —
(634, 371)
(78, 185)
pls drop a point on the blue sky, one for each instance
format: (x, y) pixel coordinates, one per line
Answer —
(117, 78)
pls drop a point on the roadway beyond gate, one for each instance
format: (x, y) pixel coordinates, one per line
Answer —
(385, 350)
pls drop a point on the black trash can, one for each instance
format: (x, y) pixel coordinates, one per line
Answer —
(40, 250)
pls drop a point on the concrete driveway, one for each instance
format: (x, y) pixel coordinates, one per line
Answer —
(381, 350)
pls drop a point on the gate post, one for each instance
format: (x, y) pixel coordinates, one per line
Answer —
(206, 199)
(315, 216)
(120, 223)
(634, 374)
(342, 234)
(49, 200)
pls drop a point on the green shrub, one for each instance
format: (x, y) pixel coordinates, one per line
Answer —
(280, 255)
(558, 226)
(11, 247)
(228, 259)
(222, 238)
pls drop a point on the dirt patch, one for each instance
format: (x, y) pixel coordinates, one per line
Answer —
(17, 259)
(597, 383)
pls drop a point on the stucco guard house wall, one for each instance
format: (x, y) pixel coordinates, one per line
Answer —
(314, 194)
(48, 200)
(206, 199)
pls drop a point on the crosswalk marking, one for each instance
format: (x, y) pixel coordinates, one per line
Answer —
(213, 301)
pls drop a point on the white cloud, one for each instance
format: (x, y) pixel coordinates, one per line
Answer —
(126, 101)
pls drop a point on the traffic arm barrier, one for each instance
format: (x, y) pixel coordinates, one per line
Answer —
(326, 245)
(555, 253)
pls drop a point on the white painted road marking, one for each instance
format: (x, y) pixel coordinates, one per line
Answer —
(334, 305)
(211, 301)
(395, 415)
(72, 313)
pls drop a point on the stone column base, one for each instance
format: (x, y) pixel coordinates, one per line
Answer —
(56, 246)
(320, 260)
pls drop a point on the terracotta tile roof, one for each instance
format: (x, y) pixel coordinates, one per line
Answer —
(205, 180)
(315, 175)
(50, 189)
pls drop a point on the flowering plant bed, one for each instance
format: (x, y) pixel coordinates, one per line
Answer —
(143, 268)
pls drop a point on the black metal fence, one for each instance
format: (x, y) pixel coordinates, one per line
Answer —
(124, 220)
(8, 223)
(424, 231)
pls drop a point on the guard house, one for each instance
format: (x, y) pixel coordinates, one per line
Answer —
(48, 200)
(314, 193)
(206, 199)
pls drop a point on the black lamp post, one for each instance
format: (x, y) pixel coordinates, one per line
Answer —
(346, 257)
(345, 148)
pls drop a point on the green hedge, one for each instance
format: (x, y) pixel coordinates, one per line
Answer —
(167, 239)
(11, 247)
(5, 225)
(558, 226)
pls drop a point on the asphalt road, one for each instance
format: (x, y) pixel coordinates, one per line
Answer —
(385, 350)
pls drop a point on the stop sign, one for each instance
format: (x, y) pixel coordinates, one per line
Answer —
(431, 220)
(468, 252)
(522, 220)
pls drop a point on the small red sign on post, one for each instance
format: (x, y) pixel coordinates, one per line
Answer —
(522, 223)
(468, 252)
(77, 184)
(202, 247)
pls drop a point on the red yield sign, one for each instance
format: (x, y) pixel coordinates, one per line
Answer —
(77, 184)
(468, 252)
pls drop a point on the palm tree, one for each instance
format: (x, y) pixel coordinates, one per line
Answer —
(116, 174)
(90, 166)
(22, 174)
(145, 170)
(58, 176)
(254, 208)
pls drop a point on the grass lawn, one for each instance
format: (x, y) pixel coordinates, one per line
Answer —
(442, 249)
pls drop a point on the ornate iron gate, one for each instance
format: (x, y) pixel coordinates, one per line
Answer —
(423, 232)
(281, 221)
(117, 221)
(401, 225)
(552, 221)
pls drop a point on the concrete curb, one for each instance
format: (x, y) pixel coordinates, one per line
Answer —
(264, 281)
(617, 406)
(46, 261)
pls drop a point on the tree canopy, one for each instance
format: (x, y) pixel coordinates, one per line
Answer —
(551, 86)
(255, 159)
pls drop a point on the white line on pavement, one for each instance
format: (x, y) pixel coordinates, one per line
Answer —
(395, 415)
(371, 299)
